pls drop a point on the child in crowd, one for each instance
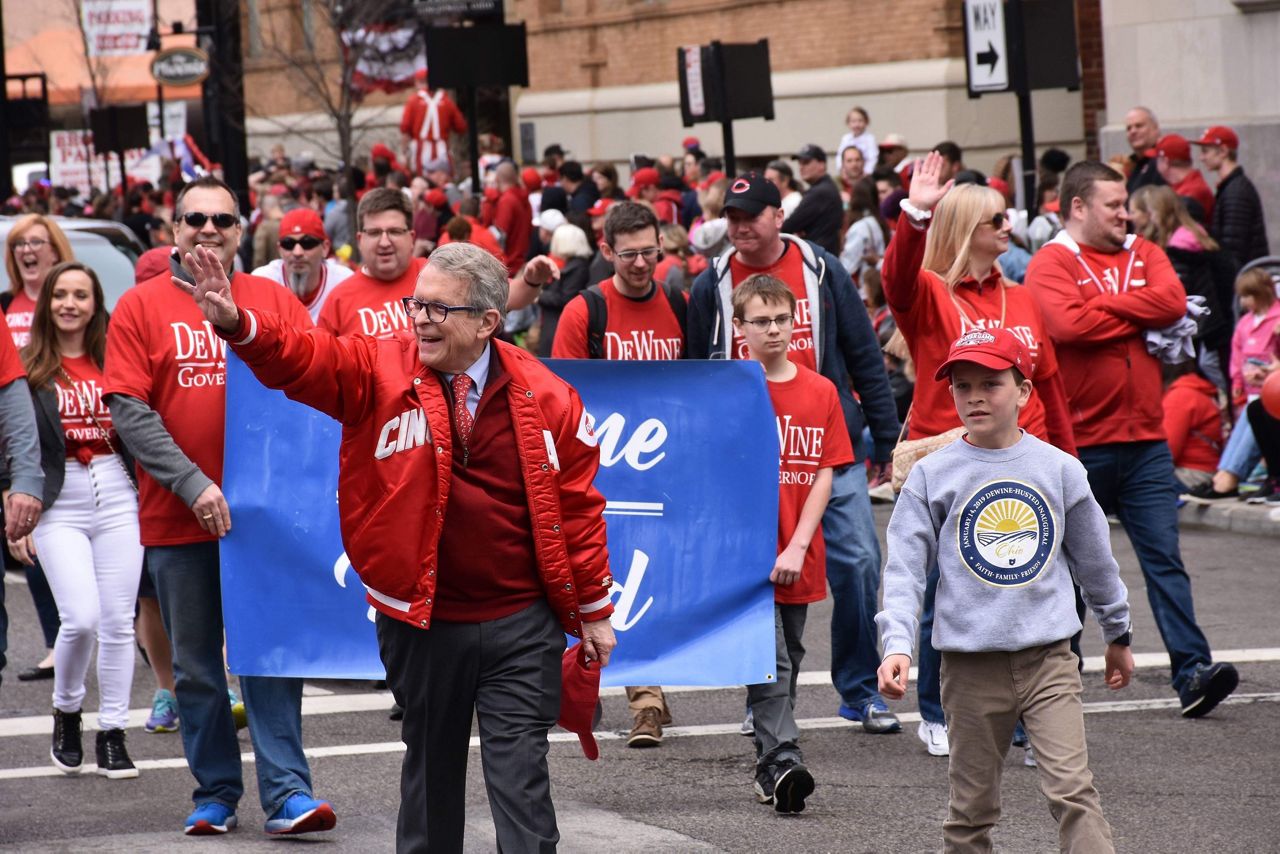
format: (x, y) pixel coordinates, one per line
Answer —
(858, 136)
(813, 439)
(1192, 424)
(1008, 520)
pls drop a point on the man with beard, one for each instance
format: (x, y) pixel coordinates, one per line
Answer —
(304, 265)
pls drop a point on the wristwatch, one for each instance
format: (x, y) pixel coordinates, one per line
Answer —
(1125, 639)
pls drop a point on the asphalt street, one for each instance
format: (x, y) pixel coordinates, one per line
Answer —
(1167, 784)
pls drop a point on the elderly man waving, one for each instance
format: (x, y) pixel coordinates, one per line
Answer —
(467, 507)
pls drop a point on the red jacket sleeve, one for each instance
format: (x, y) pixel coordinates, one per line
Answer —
(1069, 317)
(406, 117)
(314, 367)
(582, 510)
(1057, 412)
(505, 216)
(900, 269)
(1158, 303)
(571, 332)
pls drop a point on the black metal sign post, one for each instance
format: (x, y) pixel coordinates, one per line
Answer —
(706, 94)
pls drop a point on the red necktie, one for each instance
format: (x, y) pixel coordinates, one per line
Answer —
(461, 387)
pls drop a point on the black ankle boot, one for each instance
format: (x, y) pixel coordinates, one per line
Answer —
(113, 760)
(67, 750)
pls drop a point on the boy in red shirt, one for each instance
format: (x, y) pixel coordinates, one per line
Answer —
(812, 441)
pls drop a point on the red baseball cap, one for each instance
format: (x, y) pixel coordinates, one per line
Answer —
(531, 178)
(420, 74)
(301, 222)
(646, 177)
(580, 698)
(1173, 146)
(690, 142)
(1219, 135)
(996, 349)
(599, 207)
(436, 198)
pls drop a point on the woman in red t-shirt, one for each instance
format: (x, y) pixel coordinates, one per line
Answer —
(941, 279)
(87, 537)
(34, 245)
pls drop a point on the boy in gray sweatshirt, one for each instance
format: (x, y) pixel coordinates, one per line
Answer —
(1009, 520)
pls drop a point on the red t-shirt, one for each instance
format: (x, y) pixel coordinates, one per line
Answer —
(19, 316)
(84, 438)
(811, 435)
(10, 363)
(790, 269)
(163, 352)
(636, 329)
(369, 306)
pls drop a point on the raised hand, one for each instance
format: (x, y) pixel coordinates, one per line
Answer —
(212, 288)
(927, 188)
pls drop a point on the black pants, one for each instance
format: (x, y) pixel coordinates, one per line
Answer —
(508, 672)
(1266, 432)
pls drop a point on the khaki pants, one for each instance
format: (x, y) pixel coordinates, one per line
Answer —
(648, 697)
(983, 694)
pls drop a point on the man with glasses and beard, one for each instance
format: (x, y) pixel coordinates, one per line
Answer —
(166, 388)
(304, 265)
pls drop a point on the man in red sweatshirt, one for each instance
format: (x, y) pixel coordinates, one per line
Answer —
(1101, 289)
(513, 216)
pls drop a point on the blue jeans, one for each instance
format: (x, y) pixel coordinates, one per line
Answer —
(189, 590)
(853, 571)
(1135, 480)
(928, 659)
(1241, 453)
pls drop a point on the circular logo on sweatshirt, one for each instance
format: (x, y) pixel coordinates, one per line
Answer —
(1006, 533)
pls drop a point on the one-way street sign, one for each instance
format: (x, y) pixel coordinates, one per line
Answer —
(986, 51)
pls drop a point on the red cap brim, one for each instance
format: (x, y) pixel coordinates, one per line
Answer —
(987, 360)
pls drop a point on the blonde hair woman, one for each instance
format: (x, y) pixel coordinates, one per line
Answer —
(941, 279)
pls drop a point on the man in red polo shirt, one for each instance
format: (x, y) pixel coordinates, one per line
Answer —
(1173, 161)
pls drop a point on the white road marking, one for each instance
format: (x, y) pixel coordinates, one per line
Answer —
(382, 747)
(322, 701)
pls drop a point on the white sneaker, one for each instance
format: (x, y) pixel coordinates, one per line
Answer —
(1029, 758)
(934, 737)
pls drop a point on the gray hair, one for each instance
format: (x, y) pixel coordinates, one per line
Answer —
(485, 275)
(570, 241)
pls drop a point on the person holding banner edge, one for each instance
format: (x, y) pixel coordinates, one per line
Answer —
(489, 640)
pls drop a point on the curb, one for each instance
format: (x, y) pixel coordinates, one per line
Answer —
(1231, 516)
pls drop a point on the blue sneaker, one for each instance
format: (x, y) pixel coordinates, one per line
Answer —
(164, 712)
(874, 716)
(302, 813)
(211, 819)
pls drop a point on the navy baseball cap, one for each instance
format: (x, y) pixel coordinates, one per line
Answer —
(810, 152)
(752, 193)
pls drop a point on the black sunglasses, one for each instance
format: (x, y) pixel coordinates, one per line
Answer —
(307, 242)
(196, 219)
(996, 221)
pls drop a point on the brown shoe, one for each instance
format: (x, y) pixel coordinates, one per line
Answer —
(648, 729)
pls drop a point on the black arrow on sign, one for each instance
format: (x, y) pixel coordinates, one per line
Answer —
(989, 58)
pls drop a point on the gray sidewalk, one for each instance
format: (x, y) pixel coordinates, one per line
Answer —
(1232, 515)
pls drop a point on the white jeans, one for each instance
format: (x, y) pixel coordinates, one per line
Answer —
(89, 545)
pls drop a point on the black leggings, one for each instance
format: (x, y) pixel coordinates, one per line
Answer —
(1266, 430)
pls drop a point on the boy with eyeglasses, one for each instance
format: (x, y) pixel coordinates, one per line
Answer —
(812, 441)
(304, 265)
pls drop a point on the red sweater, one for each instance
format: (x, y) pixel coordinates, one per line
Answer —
(1193, 423)
(1096, 307)
(930, 321)
(514, 217)
(494, 576)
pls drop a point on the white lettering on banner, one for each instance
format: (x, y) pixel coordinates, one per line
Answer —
(628, 591)
(201, 355)
(647, 439)
(409, 429)
(340, 567)
(382, 322)
(641, 346)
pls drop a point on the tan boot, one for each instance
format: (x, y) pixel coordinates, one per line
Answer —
(648, 729)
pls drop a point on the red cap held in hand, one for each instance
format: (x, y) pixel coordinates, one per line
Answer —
(580, 698)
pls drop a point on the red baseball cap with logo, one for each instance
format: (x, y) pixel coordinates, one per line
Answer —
(1173, 146)
(996, 349)
(580, 698)
(599, 207)
(302, 222)
(1219, 135)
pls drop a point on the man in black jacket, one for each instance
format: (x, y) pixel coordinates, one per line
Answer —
(833, 336)
(1238, 223)
(821, 211)
(1142, 129)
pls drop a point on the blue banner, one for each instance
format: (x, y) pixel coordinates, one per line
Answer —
(689, 462)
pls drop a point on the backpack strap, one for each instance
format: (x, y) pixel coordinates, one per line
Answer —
(680, 308)
(597, 320)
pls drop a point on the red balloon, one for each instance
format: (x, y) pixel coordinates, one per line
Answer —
(1271, 394)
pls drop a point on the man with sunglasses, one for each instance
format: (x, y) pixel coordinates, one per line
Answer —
(468, 511)
(166, 388)
(304, 265)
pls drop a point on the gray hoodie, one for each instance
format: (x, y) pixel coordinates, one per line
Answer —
(1007, 529)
